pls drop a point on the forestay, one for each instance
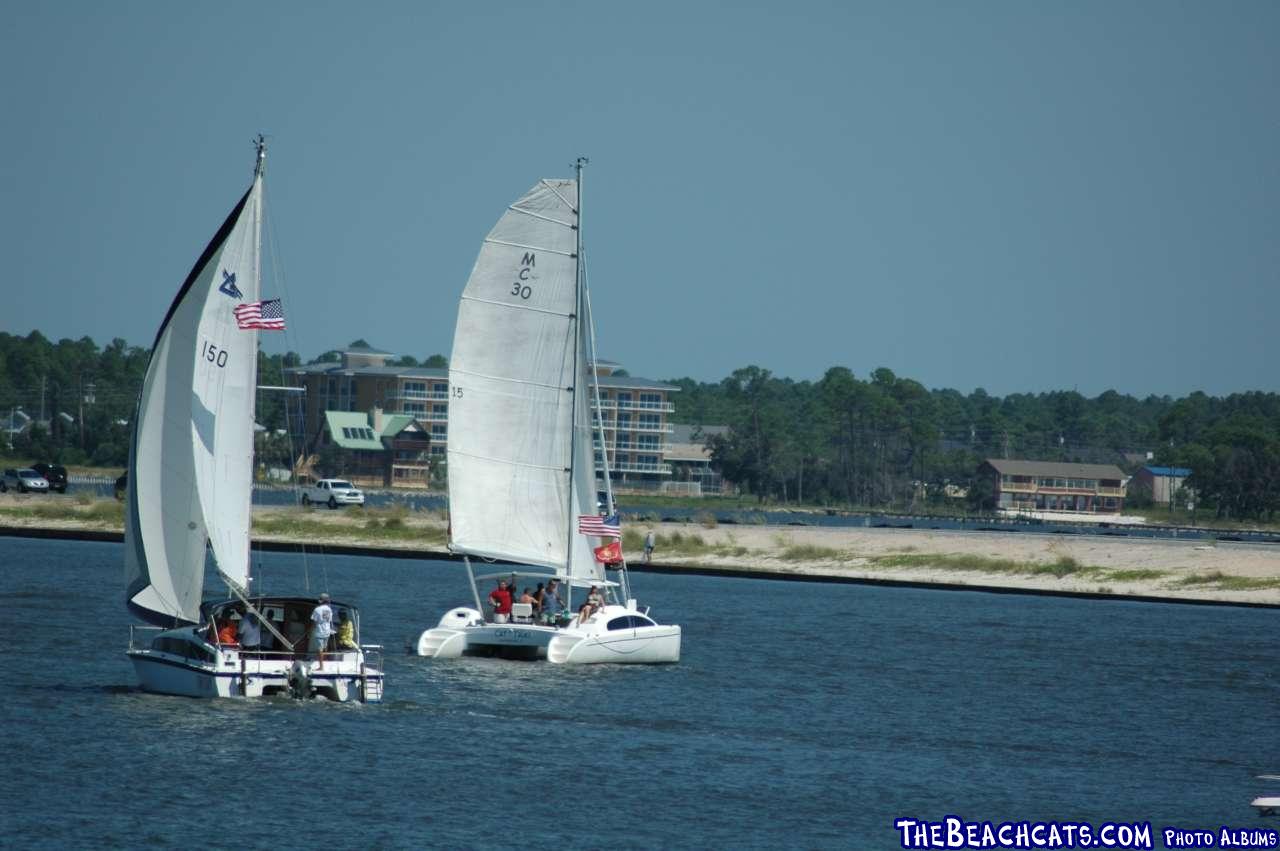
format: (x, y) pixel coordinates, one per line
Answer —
(518, 392)
(191, 458)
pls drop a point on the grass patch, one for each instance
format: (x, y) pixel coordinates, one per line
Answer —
(106, 511)
(1061, 567)
(383, 527)
(808, 552)
(1135, 574)
(1224, 582)
(706, 520)
(678, 543)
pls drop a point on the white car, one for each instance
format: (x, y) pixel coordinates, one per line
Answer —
(23, 480)
(333, 492)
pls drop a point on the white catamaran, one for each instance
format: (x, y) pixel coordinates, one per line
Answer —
(190, 486)
(520, 451)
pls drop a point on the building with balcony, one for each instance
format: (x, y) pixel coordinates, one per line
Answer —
(1055, 486)
(634, 412)
(377, 450)
(690, 460)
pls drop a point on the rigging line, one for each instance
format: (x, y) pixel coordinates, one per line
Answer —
(500, 378)
(557, 468)
(561, 314)
(566, 201)
(529, 247)
(513, 208)
(291, 344)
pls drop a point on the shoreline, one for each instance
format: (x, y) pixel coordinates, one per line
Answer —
(1141, 570)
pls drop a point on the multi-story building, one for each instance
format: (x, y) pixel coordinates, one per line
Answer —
(690, 461)
(1055, 486)
(634, 411)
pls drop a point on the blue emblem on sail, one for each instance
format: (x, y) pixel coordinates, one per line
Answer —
(229, 285)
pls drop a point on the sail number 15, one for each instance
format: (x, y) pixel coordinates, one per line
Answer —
(213, 354)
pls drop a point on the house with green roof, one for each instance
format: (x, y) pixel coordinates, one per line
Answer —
(372, 449)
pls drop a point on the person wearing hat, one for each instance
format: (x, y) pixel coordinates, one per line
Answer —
(321, 628)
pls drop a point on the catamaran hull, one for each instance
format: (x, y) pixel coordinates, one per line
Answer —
(161, 673)
(655, 645)
(572, 645)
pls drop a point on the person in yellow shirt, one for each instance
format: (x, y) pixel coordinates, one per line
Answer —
(346, 631)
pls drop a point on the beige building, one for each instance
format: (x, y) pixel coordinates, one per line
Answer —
(634, 412)
(1055, 486)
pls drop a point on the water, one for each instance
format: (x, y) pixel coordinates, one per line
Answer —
(802, 715)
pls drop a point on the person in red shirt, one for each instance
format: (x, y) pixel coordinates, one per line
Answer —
(500, 599)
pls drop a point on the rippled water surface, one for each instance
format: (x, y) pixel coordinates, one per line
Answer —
(802, 715)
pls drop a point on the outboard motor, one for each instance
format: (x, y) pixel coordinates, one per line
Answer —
(299, 681)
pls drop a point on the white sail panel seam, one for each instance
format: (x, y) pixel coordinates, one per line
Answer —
(507, 380)
(513, 208)
(518, 306)
(524, 464)
(529, 247)
(556, 192)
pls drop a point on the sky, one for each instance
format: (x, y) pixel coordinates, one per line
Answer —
(1016, 196)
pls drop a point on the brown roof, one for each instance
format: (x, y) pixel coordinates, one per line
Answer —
(1057, 469)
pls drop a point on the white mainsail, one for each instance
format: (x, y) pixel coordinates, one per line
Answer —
(191, 458)
(519, 395)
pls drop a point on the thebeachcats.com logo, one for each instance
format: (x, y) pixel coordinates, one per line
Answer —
(955, 832)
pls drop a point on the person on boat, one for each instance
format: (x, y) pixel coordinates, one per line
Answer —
(346, 631)
(250, 632)
(537, 598)
(226, 630)
(595, 602)
(321, 628)
(500, 599)
(550, 604)
(527, 597)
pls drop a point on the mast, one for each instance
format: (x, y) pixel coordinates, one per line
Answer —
(259, 173)
(573, 391)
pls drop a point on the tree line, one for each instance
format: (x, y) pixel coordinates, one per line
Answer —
(71, 402)
(885, 441)
(877, 441)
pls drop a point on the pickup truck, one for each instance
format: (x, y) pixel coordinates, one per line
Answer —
(333, 492)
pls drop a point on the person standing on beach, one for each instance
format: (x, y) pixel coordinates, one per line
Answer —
(649, 540)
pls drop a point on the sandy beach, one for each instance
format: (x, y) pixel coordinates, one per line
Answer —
(1074, 564)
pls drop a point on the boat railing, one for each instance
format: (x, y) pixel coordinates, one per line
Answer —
(151, 631)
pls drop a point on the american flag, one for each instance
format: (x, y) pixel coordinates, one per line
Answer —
(603, 527)
(268, 315)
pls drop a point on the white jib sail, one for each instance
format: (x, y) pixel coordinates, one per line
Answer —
(191, 460)
(517, 390)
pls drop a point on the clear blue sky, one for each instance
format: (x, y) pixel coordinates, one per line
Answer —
(1018, 196)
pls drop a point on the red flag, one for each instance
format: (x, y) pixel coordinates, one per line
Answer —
(610, 553)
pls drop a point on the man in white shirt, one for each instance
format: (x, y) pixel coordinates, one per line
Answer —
(250, 632)
(321, 628)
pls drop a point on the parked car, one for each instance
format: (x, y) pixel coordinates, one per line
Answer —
(54, 474)
(333, 492)
(23, 480)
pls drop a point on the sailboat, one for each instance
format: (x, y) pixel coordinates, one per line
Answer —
(190, 488)
(520, 451)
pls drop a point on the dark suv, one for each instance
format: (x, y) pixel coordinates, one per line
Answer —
(54, 474)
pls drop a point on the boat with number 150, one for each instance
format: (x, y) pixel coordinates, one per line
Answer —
(190, 487)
